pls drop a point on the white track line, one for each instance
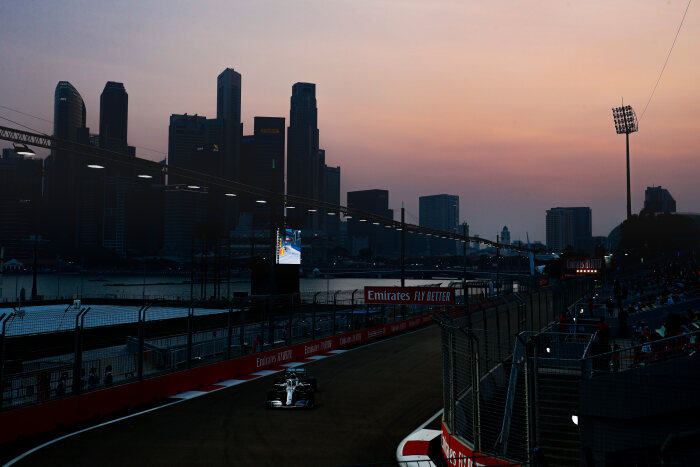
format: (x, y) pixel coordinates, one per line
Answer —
(429, 421)
(183, 399)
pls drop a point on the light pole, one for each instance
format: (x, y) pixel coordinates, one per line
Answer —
(626, 122)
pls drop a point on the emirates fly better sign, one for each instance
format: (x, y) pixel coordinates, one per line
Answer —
(409, 295)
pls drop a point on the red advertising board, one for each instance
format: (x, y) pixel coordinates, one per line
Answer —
(410, 295)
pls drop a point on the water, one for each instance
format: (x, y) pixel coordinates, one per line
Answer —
(163, 285)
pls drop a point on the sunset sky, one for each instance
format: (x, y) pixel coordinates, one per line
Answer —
(504, 103)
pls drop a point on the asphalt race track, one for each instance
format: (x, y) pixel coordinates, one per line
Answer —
(369, 399)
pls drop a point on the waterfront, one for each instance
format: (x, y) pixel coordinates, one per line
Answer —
(164, 285)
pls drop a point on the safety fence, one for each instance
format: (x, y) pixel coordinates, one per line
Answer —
(487, 351)
(54, 351)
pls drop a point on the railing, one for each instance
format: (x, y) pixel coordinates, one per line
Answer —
(486, 405)
(59, 350)
(647, 353)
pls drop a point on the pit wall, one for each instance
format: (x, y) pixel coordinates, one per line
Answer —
(458, 454)
(41, 418)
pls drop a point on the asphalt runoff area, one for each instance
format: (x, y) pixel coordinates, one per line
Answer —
(369, 399)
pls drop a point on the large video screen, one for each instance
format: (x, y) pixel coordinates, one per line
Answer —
(289, 247)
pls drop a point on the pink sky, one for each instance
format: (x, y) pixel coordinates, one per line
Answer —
(506, 104)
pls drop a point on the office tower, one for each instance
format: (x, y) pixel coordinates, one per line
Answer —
(228, 113)
(332, 195)
(505, 236)
(657, 199)
(440, 212)
(380, 240)
(262, 166)
(20, 205)
(304, 169)
(120, 180)
(193, 145)
(114, 111)
(570, 226)
(65, 170)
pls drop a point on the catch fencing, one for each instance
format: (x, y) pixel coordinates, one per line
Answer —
(55, 351)
(487, 350)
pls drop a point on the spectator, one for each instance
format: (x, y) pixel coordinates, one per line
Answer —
(108, 376)
(93, 379)
(61, 386)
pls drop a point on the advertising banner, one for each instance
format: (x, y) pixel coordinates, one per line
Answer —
(409, 295)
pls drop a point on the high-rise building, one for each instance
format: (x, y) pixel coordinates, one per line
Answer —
(118, 181)
(65, 171)
(228, 113)
(305, 163)
(114, 112)
(193, 145)
(570, 226)
(657, 199)
(505, 236)
(20, 204)
(262, 166)
(440, 212)
(365, 234)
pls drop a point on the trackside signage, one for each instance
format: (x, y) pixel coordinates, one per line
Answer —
(458, 454)
(409, 295)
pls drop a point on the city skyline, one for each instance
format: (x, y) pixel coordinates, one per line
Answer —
(512, 118)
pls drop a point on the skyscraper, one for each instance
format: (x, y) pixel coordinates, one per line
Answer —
(192, 144)
(377, 238)
(505, 236)
(569, 227)
(64, 169)
(657, 199)
(228, 113)
(304, 169)
(262, 165)
(114, 111)
(440, 212)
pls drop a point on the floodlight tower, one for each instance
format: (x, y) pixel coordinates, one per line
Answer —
(626, 122)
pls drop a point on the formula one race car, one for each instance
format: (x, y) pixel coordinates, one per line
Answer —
(295, 390)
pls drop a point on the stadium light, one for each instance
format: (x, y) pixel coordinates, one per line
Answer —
(375, 223)
(193, 187)
(626, 122)
(95, 166)
(363, 220)
(230, 194)
(23, 150)
(313, 210)
(144, 176)
(261, 201)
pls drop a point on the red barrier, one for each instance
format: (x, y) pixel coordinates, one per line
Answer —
(458, 454)
(40, 418)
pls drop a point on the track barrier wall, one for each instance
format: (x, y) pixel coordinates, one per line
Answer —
(35, 419)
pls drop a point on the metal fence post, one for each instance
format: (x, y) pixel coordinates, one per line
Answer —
(3, 319)
(142, 339)
(352, 310)
(313, 316)
(241, 336)
(190, 314)
(78, 359)
(229, 330)
(335, 308)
